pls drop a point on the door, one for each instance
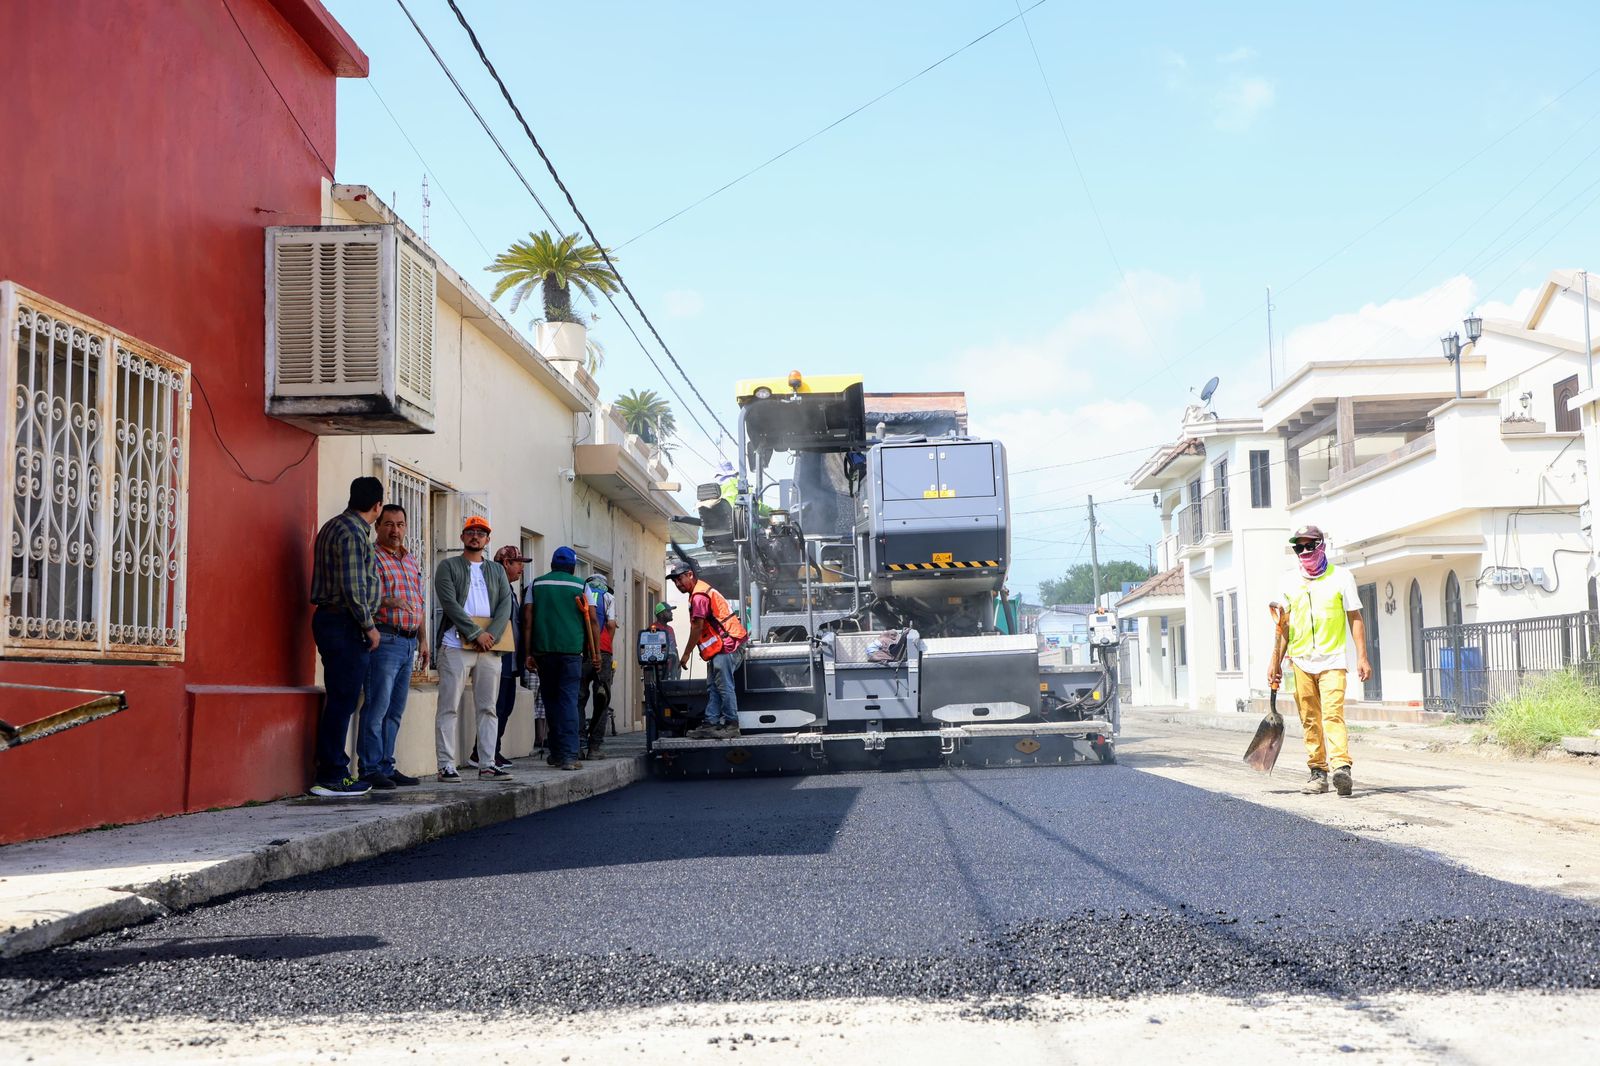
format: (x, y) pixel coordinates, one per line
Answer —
(1373, 690)
(910, 473)
(966, 470)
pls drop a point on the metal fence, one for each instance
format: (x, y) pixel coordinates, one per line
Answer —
(1467, 668)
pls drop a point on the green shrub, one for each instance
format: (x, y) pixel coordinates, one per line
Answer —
(1544, 711)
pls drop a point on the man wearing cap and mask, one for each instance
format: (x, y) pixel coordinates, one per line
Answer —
(476, 600)
(598, 673)
(1323, 607)
(555, 643)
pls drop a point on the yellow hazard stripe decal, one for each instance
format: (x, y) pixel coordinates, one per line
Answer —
(978, 564)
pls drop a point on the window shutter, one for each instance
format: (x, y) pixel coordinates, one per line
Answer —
(418, 290)
(328, 313)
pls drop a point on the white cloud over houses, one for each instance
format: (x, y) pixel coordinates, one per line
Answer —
(1405, 327)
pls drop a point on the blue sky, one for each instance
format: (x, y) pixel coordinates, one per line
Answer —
(943, 238)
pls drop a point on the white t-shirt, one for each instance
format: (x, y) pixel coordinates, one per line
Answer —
(477, 603)
(1342, 582)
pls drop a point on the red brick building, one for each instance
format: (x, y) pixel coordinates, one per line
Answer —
(157, 521)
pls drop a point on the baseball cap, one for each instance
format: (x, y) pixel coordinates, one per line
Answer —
(1307, 533)
(564, 556)
(598, 581)
(679, 567)
(661, 609)
(476, 521)
(510, 554)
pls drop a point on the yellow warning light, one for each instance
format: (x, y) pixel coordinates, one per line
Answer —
(1096, 694)
(1044, 686)
(795, 381)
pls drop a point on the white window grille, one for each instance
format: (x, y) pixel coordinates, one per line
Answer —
(95, 501)
(475, 503)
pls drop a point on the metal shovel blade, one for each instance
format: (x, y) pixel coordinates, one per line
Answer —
(1262, 754)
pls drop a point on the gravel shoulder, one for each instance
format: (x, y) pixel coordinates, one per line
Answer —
(1533, 822)
(1394, 1030)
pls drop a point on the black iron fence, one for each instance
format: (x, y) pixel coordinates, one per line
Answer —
(1466, 668)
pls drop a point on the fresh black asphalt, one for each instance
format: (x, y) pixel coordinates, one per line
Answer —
(990, 885)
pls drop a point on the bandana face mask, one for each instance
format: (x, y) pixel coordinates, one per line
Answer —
(1314, 562)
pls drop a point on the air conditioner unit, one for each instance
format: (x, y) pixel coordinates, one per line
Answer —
(350, 331)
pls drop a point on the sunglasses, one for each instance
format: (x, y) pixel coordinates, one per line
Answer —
(1306, 547)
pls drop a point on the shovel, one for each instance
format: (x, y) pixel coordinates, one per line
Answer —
(1262, 754)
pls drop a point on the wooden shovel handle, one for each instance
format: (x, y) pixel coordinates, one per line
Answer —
(1280, 636)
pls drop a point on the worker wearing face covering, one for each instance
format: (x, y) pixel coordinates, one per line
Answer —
(1324, 611)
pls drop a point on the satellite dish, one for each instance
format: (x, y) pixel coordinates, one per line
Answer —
(1205, 393)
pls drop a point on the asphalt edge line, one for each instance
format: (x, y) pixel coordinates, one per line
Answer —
(321, 851)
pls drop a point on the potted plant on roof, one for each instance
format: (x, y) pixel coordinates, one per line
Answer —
(557, 265)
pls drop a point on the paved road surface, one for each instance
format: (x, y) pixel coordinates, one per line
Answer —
(938, 885)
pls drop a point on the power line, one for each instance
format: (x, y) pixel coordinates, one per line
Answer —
(477, 46)
(526, 184)
(836, 122)
(1090, 459)
(1083, 181)
(281, 98)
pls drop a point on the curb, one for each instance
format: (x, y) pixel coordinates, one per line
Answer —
(132, 904)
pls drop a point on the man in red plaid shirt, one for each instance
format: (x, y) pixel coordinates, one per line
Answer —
(402, 642)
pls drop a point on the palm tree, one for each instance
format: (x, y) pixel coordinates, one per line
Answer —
(647, 415)
(559, 265)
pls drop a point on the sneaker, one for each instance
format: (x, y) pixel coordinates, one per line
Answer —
(381, 782)
(1342, 782)
(593, 753)
(728, 731)
(448, 774)
(349, 788)
(706, 731)
(572, 766)
(404, 779)
(492, 773)
(1316, 784)
(472, 760)
(502, 762)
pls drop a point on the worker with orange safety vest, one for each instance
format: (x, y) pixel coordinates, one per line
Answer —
(716, 630)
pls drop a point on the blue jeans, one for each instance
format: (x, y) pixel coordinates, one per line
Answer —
(388, 686)
(345, 658)
(722, 707)
(559, 679)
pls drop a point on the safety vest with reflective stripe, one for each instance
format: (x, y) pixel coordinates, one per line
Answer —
(725, 631)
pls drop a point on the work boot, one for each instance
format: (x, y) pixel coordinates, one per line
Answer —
(704, 731)
(1316, 784)
(728, 731)
(1342, 782)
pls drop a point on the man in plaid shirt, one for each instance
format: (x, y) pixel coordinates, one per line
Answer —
(402, 643)
(344, 586)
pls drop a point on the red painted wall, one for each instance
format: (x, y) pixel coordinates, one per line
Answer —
(142, 152)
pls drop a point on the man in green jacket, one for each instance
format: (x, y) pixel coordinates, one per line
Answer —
(476, 599)
(557, 645)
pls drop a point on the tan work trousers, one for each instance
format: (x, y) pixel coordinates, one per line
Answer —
(1320, 698)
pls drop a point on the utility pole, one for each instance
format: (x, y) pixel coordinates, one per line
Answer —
(1588, 345)
(1094, 554)
(1272, 370)
(1150, 558)
(426, 203)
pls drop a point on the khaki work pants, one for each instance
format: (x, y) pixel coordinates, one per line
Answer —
(1320, 698)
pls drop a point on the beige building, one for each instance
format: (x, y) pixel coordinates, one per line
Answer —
(521, 436)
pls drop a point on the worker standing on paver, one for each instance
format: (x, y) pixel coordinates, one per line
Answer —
(716, 631)
(1323, 607)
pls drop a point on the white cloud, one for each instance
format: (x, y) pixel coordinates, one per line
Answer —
(683, 303)
(1241, 101)
(1239, 55)
(1515, 311)
(1395, 329)
(1009, 374)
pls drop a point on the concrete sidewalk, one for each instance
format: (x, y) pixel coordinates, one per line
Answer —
(57, 890)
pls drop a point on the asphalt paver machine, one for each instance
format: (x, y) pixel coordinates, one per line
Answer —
(870, 570)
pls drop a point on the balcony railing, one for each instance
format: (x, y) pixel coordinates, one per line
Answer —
(1467, 668)
(1191, 526)
(1216, 510)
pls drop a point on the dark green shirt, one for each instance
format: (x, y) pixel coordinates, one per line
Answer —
(557, 623)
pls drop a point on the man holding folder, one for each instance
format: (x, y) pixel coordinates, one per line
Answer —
(476, 599)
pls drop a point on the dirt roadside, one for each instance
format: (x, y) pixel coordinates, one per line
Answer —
(1534, 822)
